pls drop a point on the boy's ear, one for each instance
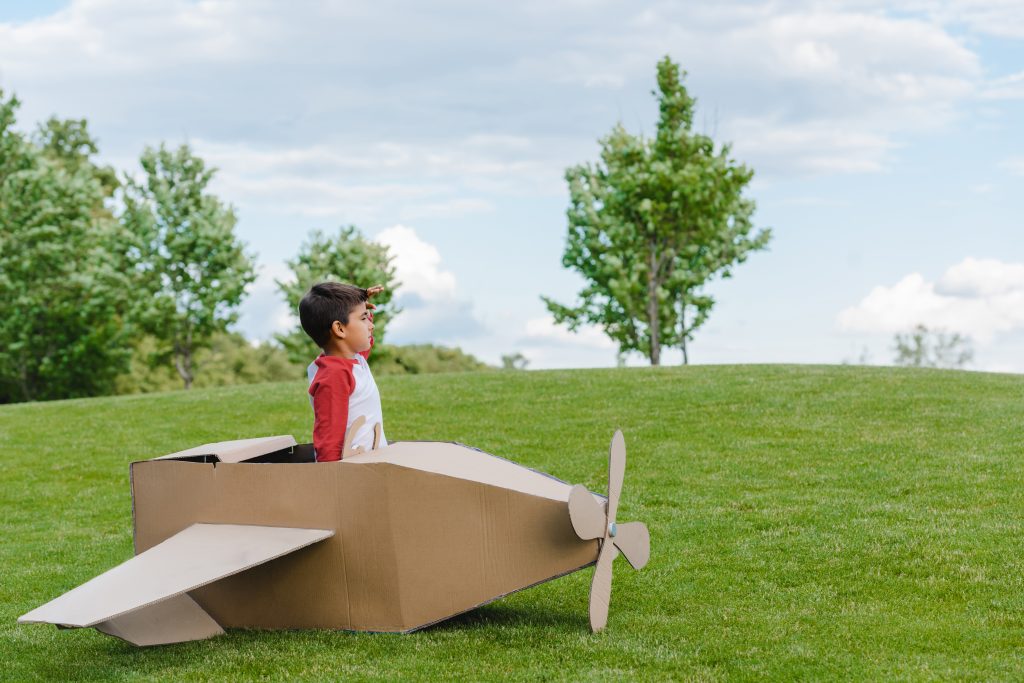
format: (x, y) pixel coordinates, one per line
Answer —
(337, 329)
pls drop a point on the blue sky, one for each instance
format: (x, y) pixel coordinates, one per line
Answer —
(886, 141)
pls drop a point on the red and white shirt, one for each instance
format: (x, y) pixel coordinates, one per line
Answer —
(341, 390)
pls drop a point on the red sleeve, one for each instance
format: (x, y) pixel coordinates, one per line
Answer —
(330, 390)
(366, 354)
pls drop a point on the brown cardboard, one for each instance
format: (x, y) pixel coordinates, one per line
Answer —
(411, 533)
(423, 531)
(194, 557)
(591, 521)
(235, 451)
(175, 620)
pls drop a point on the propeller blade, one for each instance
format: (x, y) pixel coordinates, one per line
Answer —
(601, 587)
(616, 471)
(587, 514)
(634, 542)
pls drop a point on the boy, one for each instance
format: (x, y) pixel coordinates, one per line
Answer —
(338, 318)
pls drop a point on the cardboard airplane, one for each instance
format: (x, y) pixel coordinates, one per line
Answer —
(254, 534)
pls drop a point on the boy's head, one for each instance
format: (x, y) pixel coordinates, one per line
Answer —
(323, 304)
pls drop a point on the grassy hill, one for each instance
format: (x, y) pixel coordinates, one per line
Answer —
(806, 522)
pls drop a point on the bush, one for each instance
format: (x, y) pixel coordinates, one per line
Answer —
(421, 359)
(231, 359)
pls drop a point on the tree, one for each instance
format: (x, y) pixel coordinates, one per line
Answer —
(346, 257)
(422, 359)
(925, 348)
(229, 359)
(651, 224)
(63, 291)
(190, 268)
(514, 361)
(69, 144)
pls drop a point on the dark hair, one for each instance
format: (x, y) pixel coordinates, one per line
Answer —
(324, 303)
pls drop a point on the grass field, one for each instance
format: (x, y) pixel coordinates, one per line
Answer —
(806, 523)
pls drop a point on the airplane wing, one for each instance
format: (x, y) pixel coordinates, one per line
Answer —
(145, 601)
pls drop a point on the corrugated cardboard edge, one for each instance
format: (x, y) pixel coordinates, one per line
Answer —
(238, 450)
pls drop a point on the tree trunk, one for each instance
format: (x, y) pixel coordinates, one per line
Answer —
(653, 324)
(183, 360)
(682, 333)
(23, 383)
(183, 363)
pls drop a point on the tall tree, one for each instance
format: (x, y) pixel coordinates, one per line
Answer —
(345, 257)
(187, 259)
(63, 291)
(651, 224)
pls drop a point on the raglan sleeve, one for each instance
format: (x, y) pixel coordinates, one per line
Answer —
(331, 389)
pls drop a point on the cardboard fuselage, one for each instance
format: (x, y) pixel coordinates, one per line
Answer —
(422, 531)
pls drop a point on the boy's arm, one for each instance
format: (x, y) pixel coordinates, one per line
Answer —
(330, 392)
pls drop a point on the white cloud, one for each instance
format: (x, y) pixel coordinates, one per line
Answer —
(1005, 88)
(803, 86)
(377, 181)
(264, 312)
(1004, 18)
(418, 264)
(445, 209)
(833, 92)
(548, 345)
(977, 298)
(981, 278)
(433, 308)
(810, 147)
(545, 331)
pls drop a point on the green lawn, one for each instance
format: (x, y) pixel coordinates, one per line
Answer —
(806, 523)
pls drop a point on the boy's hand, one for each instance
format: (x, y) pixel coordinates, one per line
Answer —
(372, 291)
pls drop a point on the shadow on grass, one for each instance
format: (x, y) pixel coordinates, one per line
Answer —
(92, 656)
(514, 616)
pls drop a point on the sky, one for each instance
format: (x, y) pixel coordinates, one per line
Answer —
(886, 141)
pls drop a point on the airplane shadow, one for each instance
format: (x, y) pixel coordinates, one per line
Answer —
(503, 615)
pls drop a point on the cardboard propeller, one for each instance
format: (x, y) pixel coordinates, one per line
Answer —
(590, 521)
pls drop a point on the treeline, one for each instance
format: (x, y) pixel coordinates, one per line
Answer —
(114, 282)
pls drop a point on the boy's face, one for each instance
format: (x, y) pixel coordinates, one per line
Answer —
(359, 329)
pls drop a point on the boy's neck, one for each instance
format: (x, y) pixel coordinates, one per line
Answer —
(339, 350)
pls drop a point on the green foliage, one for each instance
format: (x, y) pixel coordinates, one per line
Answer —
(346, 257)
(514, 361)
(807, 524)
(69, 144)
(651, 224)
(63, 289)
(925, 348)
(190, 267)
(422, 359)
(230, 359)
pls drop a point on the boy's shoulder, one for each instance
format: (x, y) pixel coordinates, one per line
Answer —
(330, 366)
